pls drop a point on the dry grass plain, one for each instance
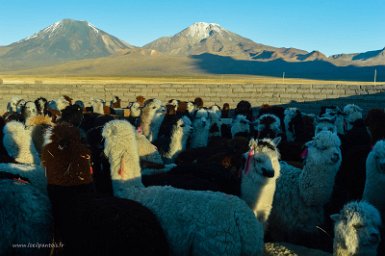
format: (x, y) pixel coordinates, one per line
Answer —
(209, 79)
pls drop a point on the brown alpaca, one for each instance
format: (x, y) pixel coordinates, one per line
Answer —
(66, 159)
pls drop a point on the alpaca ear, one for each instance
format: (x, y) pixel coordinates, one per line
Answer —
(251, 142)
(335, 217)
(277, 140)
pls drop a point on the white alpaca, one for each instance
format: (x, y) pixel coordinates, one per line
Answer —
(12, 104)
(59, 104)
(352, 113)
(147, 116)
(259, 177)
(135, 109)
(338, 116)
(98, 105)
(180, 133)
(25, 208)
(157, 122)
(375, 177)
(195, 222)
(356, 230)
(300, 195)
(240, 124)
(29, 110)
(191, 108)
(215, 117)
(201, 127)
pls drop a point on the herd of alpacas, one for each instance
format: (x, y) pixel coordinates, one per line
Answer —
(181, 178)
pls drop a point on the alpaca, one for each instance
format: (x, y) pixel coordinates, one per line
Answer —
(356, 230)
(25, 208)
(60, 103)
(201, 127)
(41, 106)
(174, 103)
(375, 177)
(19, 106)
(257, 190)
(325, 124)
(334, 112)
(267, 126)
(98, 105)
(215, 114)
(352, 113)
(290, 114)
(115, 102)
(180, 133)
(195, 222)
(301, 195)
(86, 222)
(240, 126)
(135, 112)
(38, 125)
(148, 112)
(157, 122)
(29, 110)
(12, 104)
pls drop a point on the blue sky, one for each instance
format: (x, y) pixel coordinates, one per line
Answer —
(330, 26)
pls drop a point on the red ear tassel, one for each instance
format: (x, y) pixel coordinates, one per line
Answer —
(122, 167)
(304, 153)
(251, 153)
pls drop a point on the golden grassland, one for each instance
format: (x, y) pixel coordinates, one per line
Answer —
(209, 79)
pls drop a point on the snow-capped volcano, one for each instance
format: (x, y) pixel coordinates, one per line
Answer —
(203, 37)
(65, 40)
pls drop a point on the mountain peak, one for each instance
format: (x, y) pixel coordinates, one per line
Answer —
(201, 30)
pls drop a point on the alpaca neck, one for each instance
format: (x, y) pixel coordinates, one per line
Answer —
(127, 188)
(155, 125)
(177, 144)
(259, 194)
(316, 182)
(27, 154)
(146, 119)
(289, 134)
(200, 137)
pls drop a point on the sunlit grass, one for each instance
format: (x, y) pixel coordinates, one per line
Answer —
(209, 79)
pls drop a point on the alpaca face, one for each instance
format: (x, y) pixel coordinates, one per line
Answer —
(357, 228)
(325, 124)
(190, 107)
(29, 109)
(12, 104)
(240, 125)
(135, 109)
(352, 113)
(325, 149)
(201, 119)
(183, 127)
(41, 105)
(268, 126)
(20, 105)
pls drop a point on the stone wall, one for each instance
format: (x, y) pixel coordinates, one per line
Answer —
(308, 97)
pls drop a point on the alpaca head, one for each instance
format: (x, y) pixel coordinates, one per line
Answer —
(356, 229)
(29, 110)
(11, 106)
(190, 107)
(215, 109)
(240, 125)
(98, 105)
(291, 114)
(262, 160)
(121, 148)
(135, 109)
(41, 105)
(72, 114)
(325, 124)
(182, 127)
(80, 104)
(66, 159)
(201, 119)
(352, 113)
(174, 103)
(18, 142)
(151, 106)
(324, 149)
(378, 155)
(60, 103)
(268, 126)
(20, 105)
(115, 102)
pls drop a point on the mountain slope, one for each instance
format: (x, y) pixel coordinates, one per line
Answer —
(202, 37)
(369, 58)
(62, 41)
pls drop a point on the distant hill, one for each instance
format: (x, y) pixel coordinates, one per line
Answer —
(71, 47)
(62, 41)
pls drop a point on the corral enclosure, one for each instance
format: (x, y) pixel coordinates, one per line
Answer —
(308, 97)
